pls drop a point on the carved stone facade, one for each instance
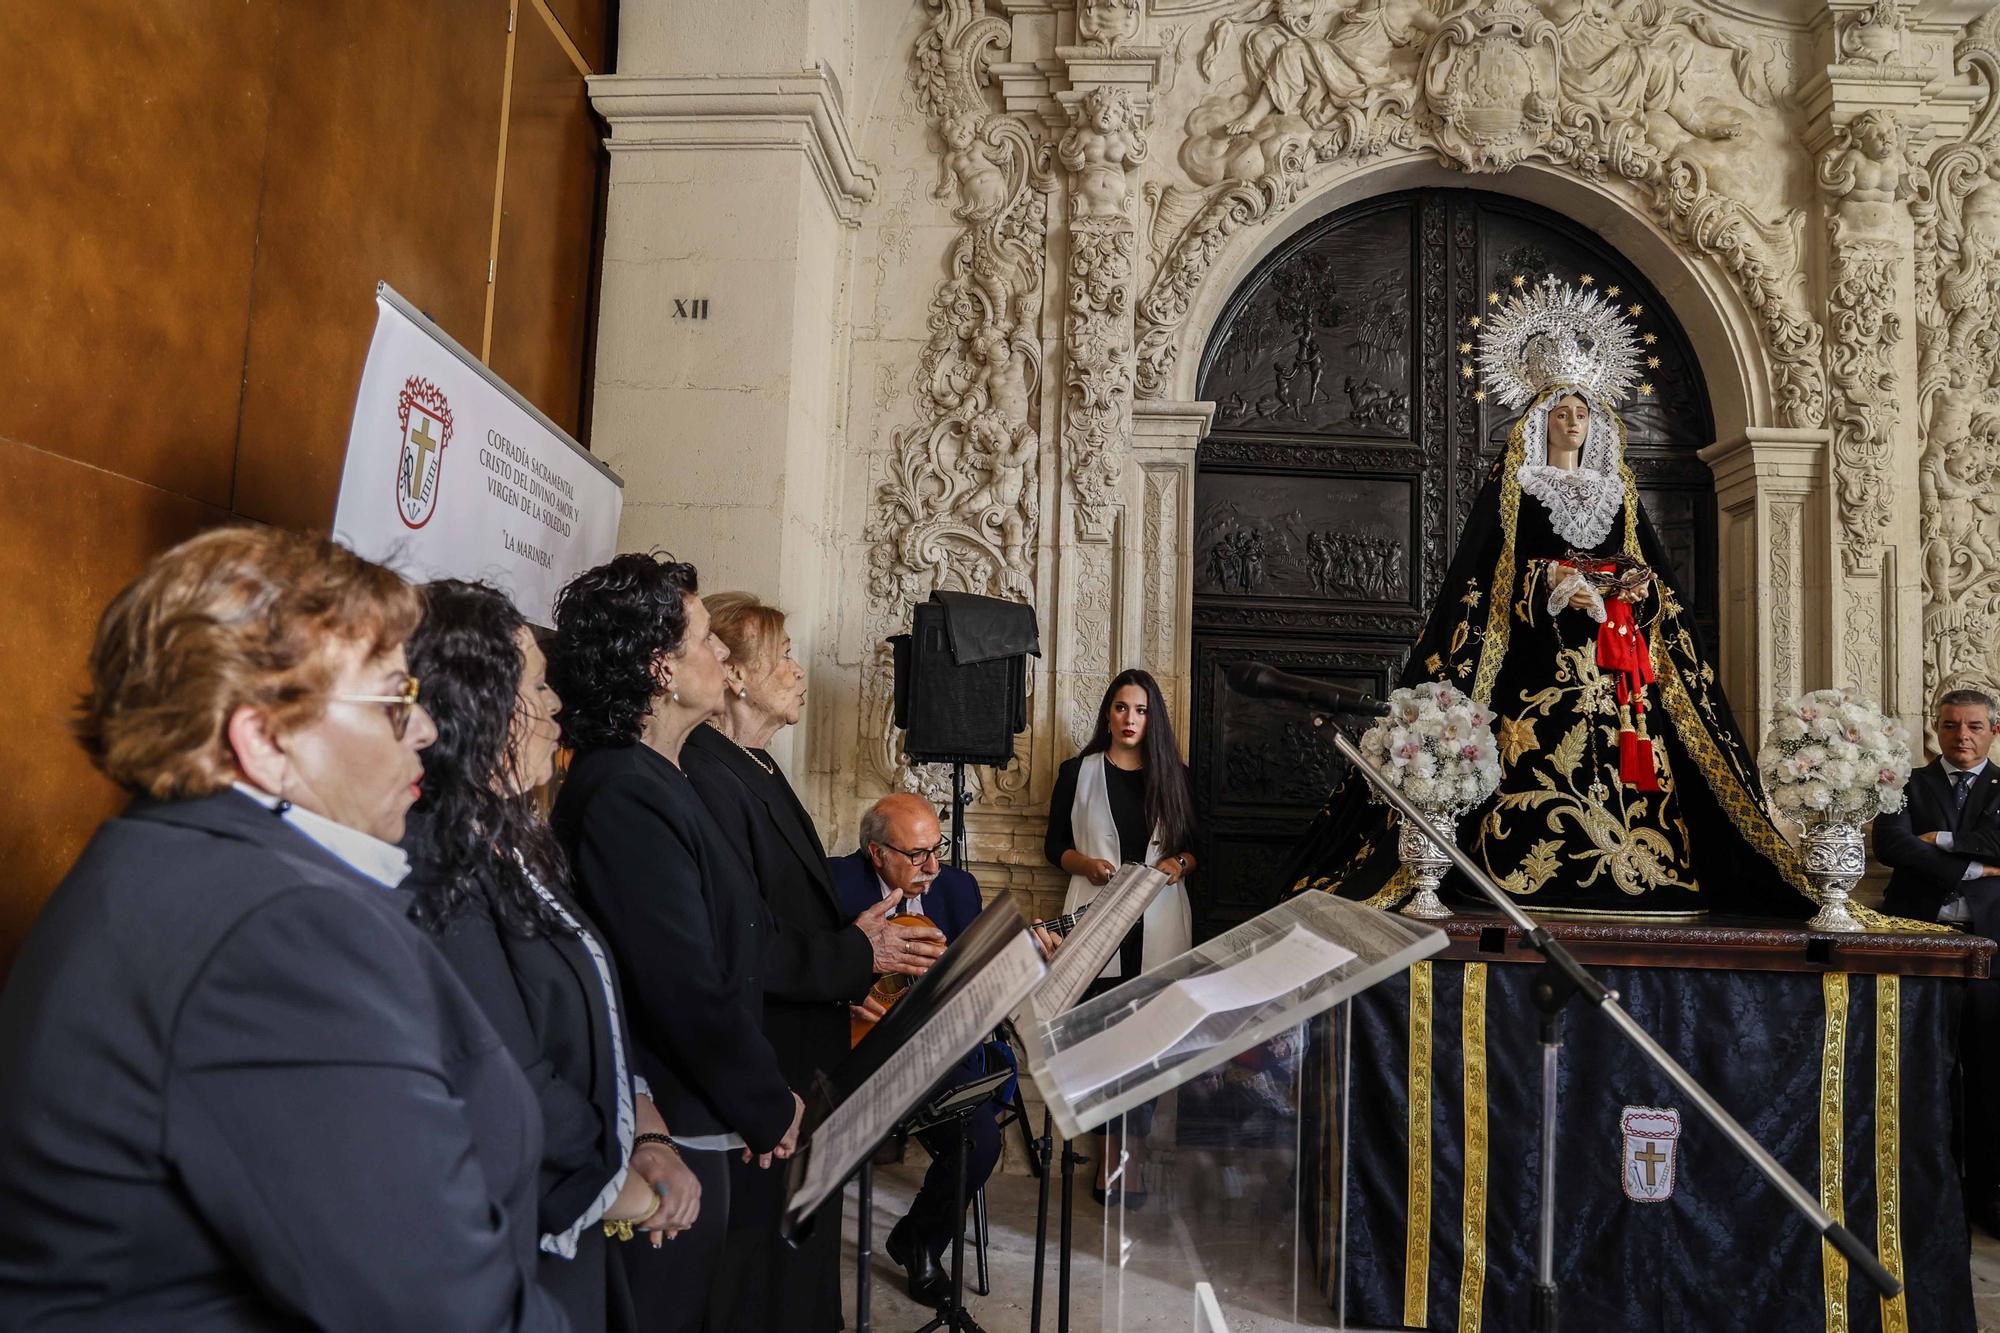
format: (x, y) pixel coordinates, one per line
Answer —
(1066, 192)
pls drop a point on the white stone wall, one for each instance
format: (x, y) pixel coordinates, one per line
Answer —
(962, 256)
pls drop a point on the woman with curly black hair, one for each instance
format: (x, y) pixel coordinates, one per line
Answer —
(490, 883)
(638, 669)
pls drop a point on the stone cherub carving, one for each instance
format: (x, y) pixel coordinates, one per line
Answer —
(1001, 453)
(1968, 291)
(1099, 150)
(1001, 369)
(977, 171)
(1874, 167)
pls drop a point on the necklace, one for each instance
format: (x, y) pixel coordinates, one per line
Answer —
(770, 769)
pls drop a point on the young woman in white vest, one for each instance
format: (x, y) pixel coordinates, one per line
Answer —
(1125, 799)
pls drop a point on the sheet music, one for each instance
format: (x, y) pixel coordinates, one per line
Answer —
(1113, 912)
(1298, 957)
(865, 1118)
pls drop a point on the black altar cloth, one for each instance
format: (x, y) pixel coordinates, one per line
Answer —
(1844, 1075)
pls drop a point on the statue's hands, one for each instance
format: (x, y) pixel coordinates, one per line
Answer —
(1581, 598)
(1634, 586)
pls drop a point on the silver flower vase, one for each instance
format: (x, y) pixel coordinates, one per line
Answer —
(1426, 861)
(1835, 862)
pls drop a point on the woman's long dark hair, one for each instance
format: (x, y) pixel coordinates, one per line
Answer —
(612, 623)
(1169, 804)
(470, 830)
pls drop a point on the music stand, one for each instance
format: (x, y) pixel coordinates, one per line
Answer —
(985, 975)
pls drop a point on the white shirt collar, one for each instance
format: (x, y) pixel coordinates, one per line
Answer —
(380, 861)
(1950, 770)
(915, 905)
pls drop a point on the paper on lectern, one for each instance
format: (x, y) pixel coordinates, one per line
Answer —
(865, 1117)
(1159, 1024)
(1113, 912)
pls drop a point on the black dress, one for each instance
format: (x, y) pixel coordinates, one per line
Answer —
(815, 964)
(546, 997)
(1126, 790)
(683, 918)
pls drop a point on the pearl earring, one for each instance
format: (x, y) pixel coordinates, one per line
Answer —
(676, 695)
(743, 691)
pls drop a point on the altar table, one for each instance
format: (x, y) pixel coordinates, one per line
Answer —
(1834, 1051)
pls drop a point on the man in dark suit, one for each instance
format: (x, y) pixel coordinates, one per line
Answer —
(1944, 849)
(901, 856)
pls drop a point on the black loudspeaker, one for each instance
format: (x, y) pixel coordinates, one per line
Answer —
(953, 712)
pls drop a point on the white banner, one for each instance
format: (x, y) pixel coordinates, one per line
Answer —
(451, 474)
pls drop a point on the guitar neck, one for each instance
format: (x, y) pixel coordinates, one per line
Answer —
(1061, 926)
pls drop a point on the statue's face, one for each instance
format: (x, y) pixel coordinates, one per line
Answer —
(1569, 425)
(1110, 116)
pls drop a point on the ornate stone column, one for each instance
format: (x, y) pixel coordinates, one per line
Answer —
(1159, 617)
(1862, 112)
(1958, 394)
(1098, 588)
(1775, 526)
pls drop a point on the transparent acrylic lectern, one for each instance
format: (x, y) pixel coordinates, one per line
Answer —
(1226, 1095)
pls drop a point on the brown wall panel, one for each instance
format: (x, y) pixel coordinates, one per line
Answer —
(548, 216)
(72, 535)
(589, 25)
(128, 210)
(385, 135)
(196, 202)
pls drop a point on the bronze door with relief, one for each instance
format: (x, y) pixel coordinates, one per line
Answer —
(1349, 441)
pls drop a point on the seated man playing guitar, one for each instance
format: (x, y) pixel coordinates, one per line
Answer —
(902, 855)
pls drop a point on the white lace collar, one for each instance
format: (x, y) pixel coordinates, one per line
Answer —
(1583, 502)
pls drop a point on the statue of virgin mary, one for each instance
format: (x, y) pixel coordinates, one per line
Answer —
(1625, 787)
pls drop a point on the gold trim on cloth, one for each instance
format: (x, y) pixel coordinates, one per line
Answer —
(1417, 1243)
(1472, 1273)
(1493, 648)
(1889, 1143)
(1832, 1137)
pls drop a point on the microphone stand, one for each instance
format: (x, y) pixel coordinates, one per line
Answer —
(1562, 977)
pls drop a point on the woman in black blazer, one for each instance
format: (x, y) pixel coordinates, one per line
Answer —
(816, 961)
(238, 1088)
(638, 669)
(491, 885)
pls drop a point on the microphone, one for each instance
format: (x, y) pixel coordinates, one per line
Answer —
(1256, 681)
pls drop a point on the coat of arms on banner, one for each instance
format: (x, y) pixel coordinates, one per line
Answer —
(1650, 1135)
(426, 422)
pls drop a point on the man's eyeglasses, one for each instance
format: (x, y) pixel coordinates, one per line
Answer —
(919, 855)
(398, 706)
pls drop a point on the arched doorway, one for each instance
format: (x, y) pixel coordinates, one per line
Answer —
(1347, 446)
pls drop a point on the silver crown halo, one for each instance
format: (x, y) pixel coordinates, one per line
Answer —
(1553, 333)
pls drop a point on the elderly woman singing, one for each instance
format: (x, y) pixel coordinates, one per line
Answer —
(238, 1088)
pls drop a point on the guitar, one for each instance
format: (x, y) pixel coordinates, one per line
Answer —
(890, 987)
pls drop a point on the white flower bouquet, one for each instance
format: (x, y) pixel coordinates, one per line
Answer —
(1436, 746)
(1831, 757)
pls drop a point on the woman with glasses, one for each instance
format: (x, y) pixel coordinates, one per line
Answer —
(492, 886)
(818, 958)
(1125, 800)
(638, 669)
(238, 1088)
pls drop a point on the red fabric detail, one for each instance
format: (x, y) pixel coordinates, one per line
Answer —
(1622, 651)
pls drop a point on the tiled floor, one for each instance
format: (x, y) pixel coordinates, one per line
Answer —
(1154, 1299)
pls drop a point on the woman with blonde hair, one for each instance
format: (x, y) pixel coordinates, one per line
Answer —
(816, 961)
